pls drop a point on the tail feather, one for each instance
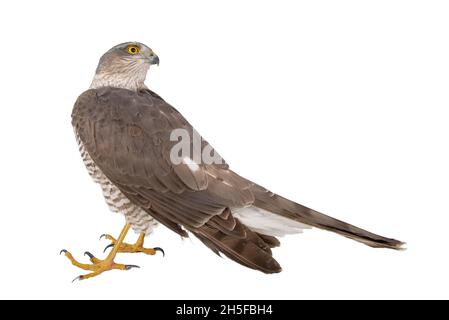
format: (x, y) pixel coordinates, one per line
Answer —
(274, 203)
(246, 235)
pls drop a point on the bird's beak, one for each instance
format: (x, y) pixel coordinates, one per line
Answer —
(153, 59)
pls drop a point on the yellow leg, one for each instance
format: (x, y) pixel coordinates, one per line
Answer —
(98, 266)
(131, 248)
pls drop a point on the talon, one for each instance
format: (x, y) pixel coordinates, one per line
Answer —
(107, 247)
(98, 266)
(90, 255)
(130, 266)
(161, 250)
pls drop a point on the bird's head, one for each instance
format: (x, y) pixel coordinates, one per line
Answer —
(125, 66)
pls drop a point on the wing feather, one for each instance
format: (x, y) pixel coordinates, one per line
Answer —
(127, 134)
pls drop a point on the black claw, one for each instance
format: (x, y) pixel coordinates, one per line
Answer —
(107, 247)
(90, 255)
(103, 236)
(77, 278)
(63, 250)
(161, 250)
(130, 266)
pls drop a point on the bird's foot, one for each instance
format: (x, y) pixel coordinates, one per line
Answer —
(131, 248)
(97, 266)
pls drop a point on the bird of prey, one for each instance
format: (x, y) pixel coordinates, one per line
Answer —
(125, 136)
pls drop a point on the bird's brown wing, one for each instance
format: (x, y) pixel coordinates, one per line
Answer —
(127, 134)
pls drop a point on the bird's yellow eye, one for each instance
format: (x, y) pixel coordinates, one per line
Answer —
(132, 49)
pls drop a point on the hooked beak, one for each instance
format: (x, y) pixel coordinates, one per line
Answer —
(153, 59)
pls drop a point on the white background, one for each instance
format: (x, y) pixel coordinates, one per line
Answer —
(339, 105)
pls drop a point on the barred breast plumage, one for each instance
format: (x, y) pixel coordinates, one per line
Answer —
(139, 220)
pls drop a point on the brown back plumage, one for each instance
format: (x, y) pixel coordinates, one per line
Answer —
(127, 134)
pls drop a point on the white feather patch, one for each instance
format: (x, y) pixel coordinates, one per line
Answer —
(193, 166)
(268, 223)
